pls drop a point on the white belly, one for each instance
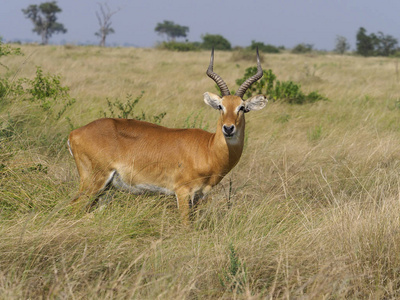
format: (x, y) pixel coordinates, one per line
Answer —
(139, 188)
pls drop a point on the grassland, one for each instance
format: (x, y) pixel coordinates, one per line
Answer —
(312, 210)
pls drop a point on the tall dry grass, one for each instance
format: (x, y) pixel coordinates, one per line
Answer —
(311, 211)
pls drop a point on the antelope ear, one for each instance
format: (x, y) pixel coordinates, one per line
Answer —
(213, 100)
(255, 103)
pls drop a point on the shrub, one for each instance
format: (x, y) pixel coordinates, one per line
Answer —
(126, 110)
(302, 48)
(275, 90)
(6, 50)
(48, 91)
(46, 86)
(6, 86)
(264, 48)
(45, 90)
(215, 40)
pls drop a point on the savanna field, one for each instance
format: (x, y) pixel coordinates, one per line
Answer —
(311, 211)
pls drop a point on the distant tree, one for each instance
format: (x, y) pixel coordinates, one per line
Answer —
(104, 18)
(380, 44)
(44, 19)
(365, 43)
(171, 30)
(341, 45)
(386, 44)
(302, 48)
(217, 41)
(264, 48)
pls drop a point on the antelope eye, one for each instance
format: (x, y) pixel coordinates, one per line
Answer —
(220, 107)
(241, 108)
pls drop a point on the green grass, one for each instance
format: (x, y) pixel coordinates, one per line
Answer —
(311, 211)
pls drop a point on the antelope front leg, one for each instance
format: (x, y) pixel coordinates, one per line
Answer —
(182, 197)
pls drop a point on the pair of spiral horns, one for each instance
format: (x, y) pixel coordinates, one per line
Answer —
(222, 85)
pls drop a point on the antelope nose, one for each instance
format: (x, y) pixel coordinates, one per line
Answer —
(229, 130)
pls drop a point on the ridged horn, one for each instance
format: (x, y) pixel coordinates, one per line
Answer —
(214, 76)
(245, 85)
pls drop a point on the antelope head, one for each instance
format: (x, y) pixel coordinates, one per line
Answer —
(232, 107)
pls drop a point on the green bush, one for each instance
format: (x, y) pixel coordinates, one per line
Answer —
(125, 110)
(264, 48)
(48, 91)
(46, 86)
(216, 41)
(302, 48)
(45, 90)
(6, 50)
(6, 87)
(275, 90)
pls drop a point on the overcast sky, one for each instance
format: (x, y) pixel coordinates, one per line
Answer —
(285, 22)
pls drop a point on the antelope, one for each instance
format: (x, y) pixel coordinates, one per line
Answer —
(139, 157)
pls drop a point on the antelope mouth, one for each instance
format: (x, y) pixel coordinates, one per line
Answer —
(229, 135)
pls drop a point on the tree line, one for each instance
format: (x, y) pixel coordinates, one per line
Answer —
(44, 19)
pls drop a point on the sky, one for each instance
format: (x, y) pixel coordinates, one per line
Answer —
(279, 23)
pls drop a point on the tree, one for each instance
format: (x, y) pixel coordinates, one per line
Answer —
(44, 19)
(386, 44)
(105, 23)
(302, 48)
(380, 44)
(365, 43)
(217, 41)
(341, 45)
(171, 30)
(263, 48)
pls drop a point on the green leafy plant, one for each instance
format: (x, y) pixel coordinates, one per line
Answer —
(125, 110)
(47, 90)
(234, 277)
(46, 86)
(44, 89)
(275, 90)
(5, 84)
(6, 50)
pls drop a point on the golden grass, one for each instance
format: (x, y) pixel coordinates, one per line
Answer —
(314, 206)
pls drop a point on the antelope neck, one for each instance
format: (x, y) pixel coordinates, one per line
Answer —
(227, 150)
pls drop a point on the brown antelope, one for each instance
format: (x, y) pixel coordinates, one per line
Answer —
(138, 156)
